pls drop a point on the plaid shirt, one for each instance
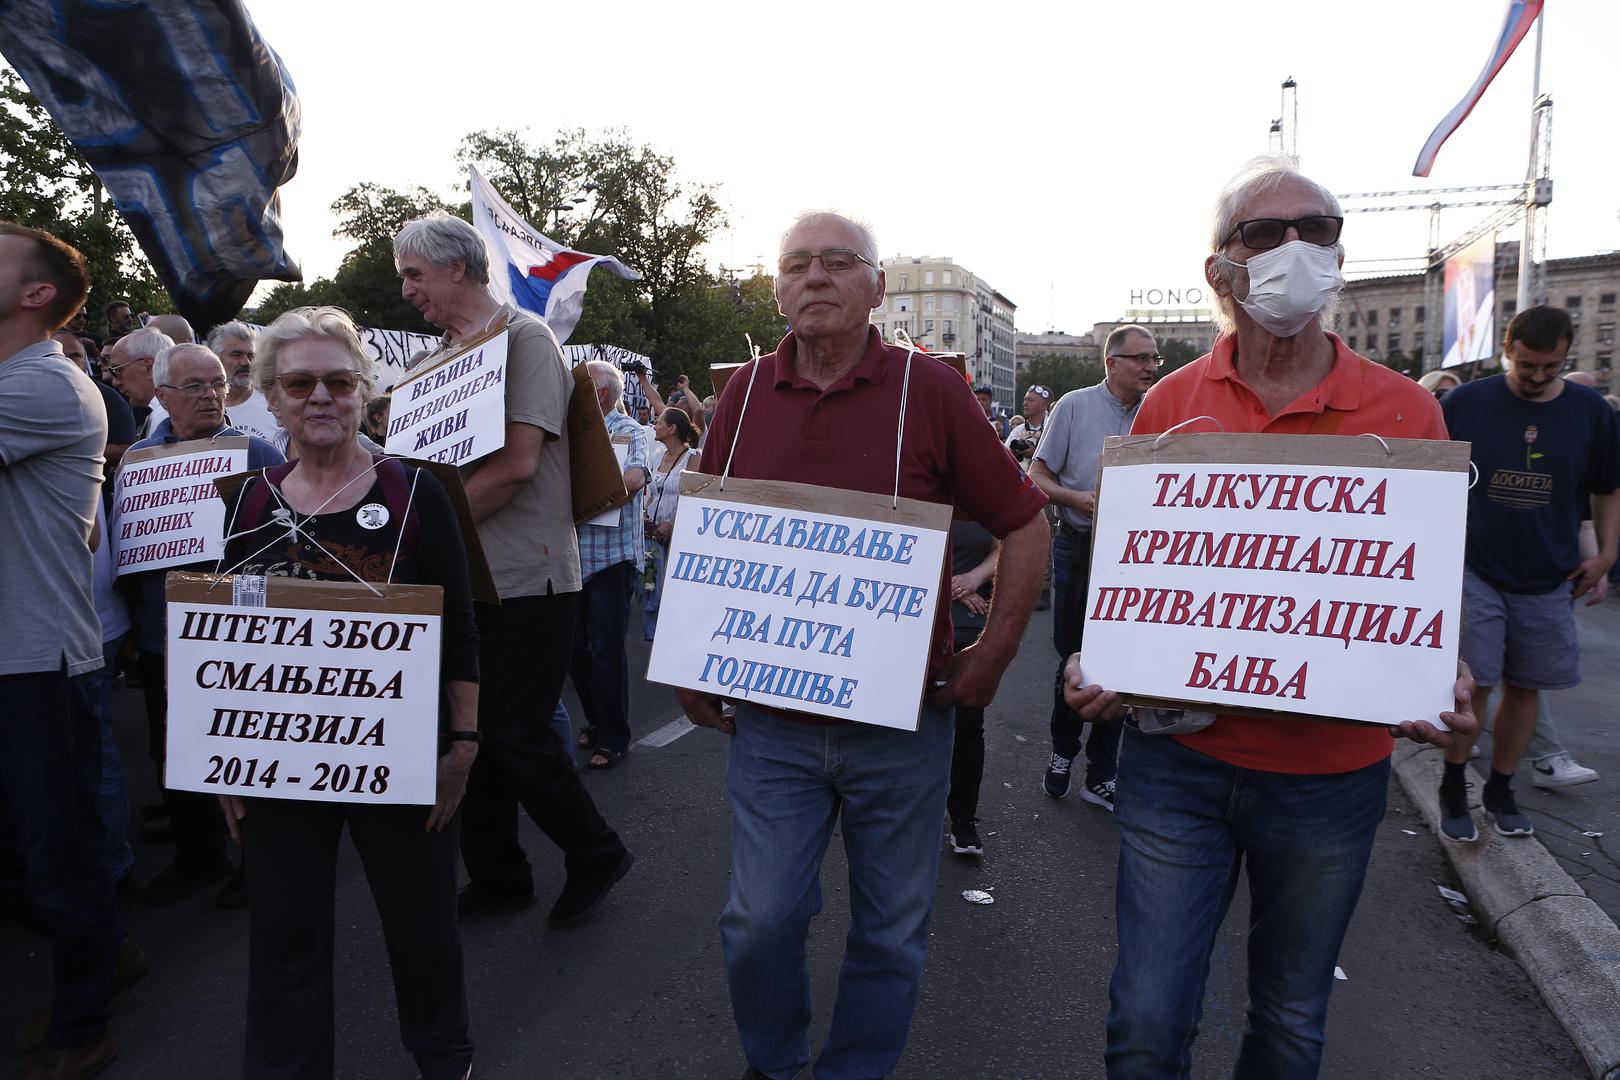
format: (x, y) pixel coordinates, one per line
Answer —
(601, 546)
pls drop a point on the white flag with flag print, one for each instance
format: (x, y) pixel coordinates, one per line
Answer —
(530, 270)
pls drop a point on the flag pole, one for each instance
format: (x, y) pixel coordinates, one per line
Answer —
(1531, 210)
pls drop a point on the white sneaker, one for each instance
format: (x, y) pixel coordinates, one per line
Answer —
(1561, 770)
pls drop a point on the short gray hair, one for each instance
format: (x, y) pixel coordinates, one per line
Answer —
(442, 239)
(1118, 334)
(605, 376)
(865, 238)
(165, 359)
(330, 323)
(1259, 174)
(145, 343)
(233, 329)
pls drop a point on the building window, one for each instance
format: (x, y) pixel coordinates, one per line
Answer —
(1352, 343)
(1606, 302)
(928, 326)
(1372, 317)
(883, 330)
(1573, 303)
(945, 276)
(1508, 308)
(902, 303)
(1419, 312)
(1417, 341)
(928, 303)
(905, 282)
(1605, 361)
(1605, 333)
(903, 324)
(1355, 318)
(950, 300)
(1394, 343)
(950, 328)
(1394, 316)
(928, 278)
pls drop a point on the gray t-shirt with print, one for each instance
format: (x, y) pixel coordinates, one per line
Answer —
(1075, 431)
(53, 429)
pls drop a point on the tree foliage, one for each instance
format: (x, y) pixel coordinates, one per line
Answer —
(46, 184)
(1059, 374)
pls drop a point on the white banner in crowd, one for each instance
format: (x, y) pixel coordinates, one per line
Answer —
(817, 611)
(309, 690)
(1328, 590)
(167, 510)
(454, 411)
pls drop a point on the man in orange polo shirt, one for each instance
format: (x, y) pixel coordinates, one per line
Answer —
(1296, 802)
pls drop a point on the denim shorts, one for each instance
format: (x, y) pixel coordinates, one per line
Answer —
(1523, 640)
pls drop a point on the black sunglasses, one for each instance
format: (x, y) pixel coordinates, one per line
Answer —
(1263, 234)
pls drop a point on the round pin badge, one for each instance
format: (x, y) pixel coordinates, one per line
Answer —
(372, 516)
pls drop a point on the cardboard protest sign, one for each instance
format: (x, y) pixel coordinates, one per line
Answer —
(311, 690)
(166, 511)
(621, 454)
(801, 597)
(721, 374)
(595, 475)
(1315, 575)
(454, 410)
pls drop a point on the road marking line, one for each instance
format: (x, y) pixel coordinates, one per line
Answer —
(668, 733)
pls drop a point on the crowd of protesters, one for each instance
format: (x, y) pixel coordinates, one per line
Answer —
(818, 410)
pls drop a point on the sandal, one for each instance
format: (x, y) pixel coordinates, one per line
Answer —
(603, 758)
(586, 738)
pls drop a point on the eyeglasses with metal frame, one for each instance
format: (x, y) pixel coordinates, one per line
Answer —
(1263, 234)
(198, 389)
(1152, 359)
(833, 260)
(301, 384)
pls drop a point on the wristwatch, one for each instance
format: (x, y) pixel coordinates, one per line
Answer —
(463, 736)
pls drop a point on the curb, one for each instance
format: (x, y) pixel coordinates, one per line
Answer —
(1568, 945)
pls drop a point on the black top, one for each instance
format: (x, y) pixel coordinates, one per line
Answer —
(120, 417)
(970, 546)
(436, 557)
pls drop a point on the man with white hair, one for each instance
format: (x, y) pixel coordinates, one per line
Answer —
(245, 408)
(190, 381)
(1295, 803)
(610, 558)
(822, 410)
(521, 498)
(130, 361)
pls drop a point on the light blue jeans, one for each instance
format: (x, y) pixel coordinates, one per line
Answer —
(789, 784)
(1189, 826)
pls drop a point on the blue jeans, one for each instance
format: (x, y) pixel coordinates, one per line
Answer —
(600, 667)
(789, 784)
(1071, 577)
(113, 795)
(657, 555)
(1188, 823)
(563, 725)
(50, 772)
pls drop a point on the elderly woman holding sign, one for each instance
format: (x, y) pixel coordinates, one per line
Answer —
(336, 513)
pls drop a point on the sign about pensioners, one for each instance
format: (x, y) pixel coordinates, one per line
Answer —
(166, 510)
(310, 690)
(1315, 575)
(802, 597)
(455, 411)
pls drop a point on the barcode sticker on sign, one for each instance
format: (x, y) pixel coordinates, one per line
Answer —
(248, 590)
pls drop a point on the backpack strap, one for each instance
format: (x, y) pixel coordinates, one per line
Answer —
(397, 494)
(250, 515)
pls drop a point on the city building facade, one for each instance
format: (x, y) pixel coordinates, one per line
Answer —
(946, 308)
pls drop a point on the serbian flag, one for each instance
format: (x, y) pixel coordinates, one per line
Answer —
(1521, 15)
(528, 269)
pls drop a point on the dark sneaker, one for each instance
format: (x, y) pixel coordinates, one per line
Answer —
(70, 1062)
(182, 878)
(476, 899)
(964, 838)
(1056, 782)
(234, 894)
(1503, 809)
(584, 892)
(1456, 823)
(1099, 793)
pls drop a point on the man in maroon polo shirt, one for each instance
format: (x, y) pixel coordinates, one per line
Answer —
(823, 410)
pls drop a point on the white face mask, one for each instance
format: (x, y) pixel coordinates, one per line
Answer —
(1289, 284)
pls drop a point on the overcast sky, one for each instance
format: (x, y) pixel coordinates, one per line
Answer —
(1066, 153)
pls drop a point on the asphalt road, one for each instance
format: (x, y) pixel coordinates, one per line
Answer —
(1013, 991)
